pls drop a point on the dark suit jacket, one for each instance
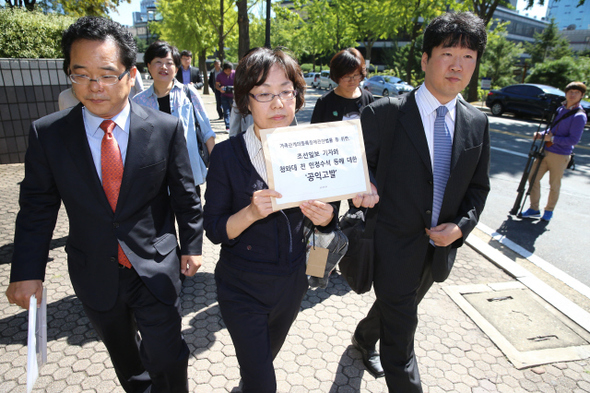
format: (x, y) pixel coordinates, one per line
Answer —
(157, 186)
(211, 80)
(407, 192)
(195, 76)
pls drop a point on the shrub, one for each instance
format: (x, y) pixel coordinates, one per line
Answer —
(26, 34)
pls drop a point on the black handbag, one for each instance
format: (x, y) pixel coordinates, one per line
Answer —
(357, 264)
(572, 163)
(358, 225)
(203, 150)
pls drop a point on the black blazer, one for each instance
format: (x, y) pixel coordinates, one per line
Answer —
(407, 192)
(157, 187)
(195, 76)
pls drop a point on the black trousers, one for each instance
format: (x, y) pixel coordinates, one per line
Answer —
(394, 319)
(258, 310)
(218, 103)
(160, 359)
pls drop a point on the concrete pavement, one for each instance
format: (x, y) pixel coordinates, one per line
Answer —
(454, 354)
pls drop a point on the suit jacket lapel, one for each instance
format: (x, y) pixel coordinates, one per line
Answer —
(74, 136)
(140, 132)
(412, 124)
(463, 119)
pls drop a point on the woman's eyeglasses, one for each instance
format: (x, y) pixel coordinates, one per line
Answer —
(352, 78)
(285, 95)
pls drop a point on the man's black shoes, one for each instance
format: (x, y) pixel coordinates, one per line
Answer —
(371, 359)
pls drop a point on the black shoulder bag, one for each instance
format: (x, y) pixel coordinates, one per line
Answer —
(358, 225)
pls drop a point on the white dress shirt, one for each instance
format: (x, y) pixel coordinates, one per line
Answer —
(427, 105)
(94, 134)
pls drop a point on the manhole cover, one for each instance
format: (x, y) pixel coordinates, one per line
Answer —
(527, 330)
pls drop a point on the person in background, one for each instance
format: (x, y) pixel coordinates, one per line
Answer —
(347, 100)
(436, 180)
(122, 172)
(169, 95)
(224, 83)
(560, 139)
(212, 78)
(187, 74)
(260, 274)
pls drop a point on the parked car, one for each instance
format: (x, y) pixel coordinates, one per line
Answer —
(326, 82)
(312, 79)
(525, 98)
(386, 86)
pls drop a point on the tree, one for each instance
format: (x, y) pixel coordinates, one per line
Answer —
(323, 29)
(548, 44)
(216, 14)
(70, 7)
(498, 60)
(33, 35)
(182, 25)
(560, 72)
(411, 17)
(369, 20)
(243, 28)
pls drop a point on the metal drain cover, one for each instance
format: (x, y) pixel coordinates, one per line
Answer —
(528, 330)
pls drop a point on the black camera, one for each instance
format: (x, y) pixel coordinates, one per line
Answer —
(228, 89)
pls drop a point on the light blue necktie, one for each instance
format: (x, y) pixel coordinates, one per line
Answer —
(443, 145)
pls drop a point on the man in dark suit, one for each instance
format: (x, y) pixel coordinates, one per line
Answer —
(212, 77)
(122, 172)
(187, 74)
(431, 195)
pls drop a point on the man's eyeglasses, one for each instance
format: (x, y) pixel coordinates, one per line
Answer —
(285, 95)
(352, 78)
(105, 80)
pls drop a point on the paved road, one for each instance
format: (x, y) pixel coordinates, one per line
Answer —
(453, 352)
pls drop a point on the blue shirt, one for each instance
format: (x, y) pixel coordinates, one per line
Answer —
(186, 76)
(180, 107)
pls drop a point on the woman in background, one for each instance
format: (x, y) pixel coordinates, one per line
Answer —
(345, 102)
(169, 95)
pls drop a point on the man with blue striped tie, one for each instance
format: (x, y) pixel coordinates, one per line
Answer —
(435, 149)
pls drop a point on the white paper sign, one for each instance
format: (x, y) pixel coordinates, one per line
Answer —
(323, 162)
(37, 339)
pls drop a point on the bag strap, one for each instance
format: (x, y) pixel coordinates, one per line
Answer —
(570, 113)
(382, 165)
(187, 92)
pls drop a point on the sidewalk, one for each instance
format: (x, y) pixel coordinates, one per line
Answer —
(453, 352)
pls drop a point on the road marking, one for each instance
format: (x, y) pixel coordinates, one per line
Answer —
(541, 263)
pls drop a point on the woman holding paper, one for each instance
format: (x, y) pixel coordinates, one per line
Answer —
(260, 275)
(347, 100)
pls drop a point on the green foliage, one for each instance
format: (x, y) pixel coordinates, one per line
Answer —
(559, 73)
(195, 25)
(397, 59)
(25, 34)
(549, 44)
(141, 44)
(499, 58)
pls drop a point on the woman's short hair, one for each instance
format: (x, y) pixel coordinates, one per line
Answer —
(253, 70)
(161, 49)
(346, 62)
(576, 86)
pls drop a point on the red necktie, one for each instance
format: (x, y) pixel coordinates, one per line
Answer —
(112, 173)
